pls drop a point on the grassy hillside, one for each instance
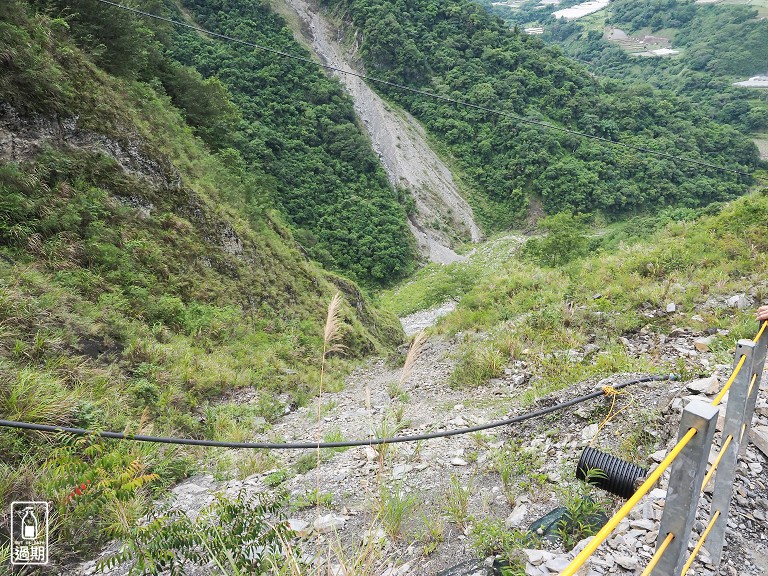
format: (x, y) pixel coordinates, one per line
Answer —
(284, 121)
(458, 50)
(517, 307)
(143, 282)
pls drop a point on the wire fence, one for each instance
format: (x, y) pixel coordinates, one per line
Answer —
(688, 477)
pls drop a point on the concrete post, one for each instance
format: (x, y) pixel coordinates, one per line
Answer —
(735, 414)
(758, 361)
(687, 474)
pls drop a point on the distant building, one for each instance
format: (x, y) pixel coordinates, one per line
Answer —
(534, 31)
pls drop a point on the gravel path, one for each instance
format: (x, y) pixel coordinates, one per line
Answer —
(418, 321)
(372, 402)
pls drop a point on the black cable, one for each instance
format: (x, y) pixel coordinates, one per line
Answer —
(316, 445)
(502, 113)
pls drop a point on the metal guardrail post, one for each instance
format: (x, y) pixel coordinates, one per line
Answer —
(684, 489)
(735, 417)
(758, 361)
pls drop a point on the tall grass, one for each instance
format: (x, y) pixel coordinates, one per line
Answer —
(546, 317)
(395, 506)
(30, 395)
(331, 344)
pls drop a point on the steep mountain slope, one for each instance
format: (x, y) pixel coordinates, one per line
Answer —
(298, 127)
(283, 119)
(524, 337)
(440, 216)
(459, 51)
(142, 280)
(719, 44)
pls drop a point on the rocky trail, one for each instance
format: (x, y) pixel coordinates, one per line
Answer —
(442, 217)
(373, 404)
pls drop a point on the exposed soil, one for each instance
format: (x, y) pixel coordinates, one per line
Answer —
(442, 215)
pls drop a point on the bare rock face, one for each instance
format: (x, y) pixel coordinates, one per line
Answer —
(442, 215)
(22, 137)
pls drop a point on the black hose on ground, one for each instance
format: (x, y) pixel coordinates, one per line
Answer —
(316, 445)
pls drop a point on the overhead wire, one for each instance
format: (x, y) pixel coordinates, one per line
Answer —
(315, 445)
(426, 93)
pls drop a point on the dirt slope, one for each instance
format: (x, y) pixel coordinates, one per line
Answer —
(442, 215)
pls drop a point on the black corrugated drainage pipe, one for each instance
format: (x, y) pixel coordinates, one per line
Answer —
(616, 476)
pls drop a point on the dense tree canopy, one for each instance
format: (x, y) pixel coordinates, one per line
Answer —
(458, 50)
(283, 120)
(719, 44)
(290, 126)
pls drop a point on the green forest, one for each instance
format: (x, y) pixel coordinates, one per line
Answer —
(279, 121)
(284, 122)
(459, 51)
(719, 45)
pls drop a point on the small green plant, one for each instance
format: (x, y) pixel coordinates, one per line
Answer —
(306, 462)
(584, 516)
(456, 501)
(326, 408)
(476, 365)
(479, 439)
(490, 537)
(387, 428)
(396, 391)
(366, 559)
(98, 487)
(312, 498)
(277, 477)
(394, 507)
(434, 533)
(335, 435)
(397, 413)
(417, 446)
(254, 462)
(517, 466)
(533, 482)
(269, 408)
(238, 536)
(637, 442)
